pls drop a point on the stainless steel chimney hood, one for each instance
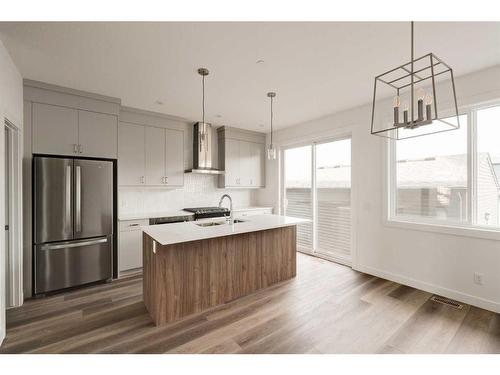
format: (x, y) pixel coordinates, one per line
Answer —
(202, 150)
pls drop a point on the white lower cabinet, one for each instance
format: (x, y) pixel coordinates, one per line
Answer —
(130, 244)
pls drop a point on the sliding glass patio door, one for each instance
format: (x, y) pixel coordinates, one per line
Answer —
(317, 186)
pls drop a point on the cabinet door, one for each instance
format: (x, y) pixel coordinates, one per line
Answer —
(130, 154)
(130, 250)
(261, 165)
(246, 177)
(55, 129)
(174, 157)
(232, 162)
(97, 134)
(155, 155)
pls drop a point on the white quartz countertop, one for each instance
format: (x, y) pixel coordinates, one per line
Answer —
(168, 234)
(152, 215)
(172, 213)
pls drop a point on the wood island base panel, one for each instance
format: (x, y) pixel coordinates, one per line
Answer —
(187, 278)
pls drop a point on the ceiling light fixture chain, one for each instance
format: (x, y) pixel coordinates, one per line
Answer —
(203, 72)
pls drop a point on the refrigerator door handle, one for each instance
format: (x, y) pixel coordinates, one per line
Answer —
(73, 244)
(67, 209)
(78, 199)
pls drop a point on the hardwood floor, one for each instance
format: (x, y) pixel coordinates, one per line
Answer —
(327, 308)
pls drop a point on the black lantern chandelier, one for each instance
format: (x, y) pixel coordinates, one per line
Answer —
(425, 79)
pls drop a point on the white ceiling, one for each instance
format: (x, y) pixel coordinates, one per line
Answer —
(315, 68)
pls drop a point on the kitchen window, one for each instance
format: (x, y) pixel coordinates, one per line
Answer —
(449, 178)
(317, 186)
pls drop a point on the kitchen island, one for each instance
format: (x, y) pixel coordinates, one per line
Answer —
(193, 266)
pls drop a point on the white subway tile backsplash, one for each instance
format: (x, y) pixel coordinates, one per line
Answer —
(199, 190)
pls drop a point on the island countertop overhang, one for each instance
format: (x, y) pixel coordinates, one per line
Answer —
(169, 234)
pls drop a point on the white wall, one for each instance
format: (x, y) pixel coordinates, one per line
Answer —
(11, 108)
(436, 262)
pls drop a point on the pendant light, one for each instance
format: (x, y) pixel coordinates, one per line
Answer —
(425, 78)
(271, 149)
(203, 72)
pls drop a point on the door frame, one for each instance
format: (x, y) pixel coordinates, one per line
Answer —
(15, 216)
(15, 244)
(336, 135)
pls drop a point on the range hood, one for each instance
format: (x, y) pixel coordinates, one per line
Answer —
(202, 150)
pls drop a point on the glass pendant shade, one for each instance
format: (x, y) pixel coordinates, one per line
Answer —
(271, 152)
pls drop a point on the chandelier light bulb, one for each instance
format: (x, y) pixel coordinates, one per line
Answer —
(428, 99)
(420, 94)
(405, 106)
(396, 102)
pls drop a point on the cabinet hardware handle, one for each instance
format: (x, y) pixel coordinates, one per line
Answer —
(166, 179)
(133, 225)
(142, 179)
(80, 149)
(75, 148)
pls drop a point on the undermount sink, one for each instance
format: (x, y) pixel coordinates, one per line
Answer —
(210, 224)
(214, 223)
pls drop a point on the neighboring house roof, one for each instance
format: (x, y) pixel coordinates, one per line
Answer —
(445, 171)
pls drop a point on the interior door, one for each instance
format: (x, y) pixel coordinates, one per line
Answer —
(53, 194)
(93, 186)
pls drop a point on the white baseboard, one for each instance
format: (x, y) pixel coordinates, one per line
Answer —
(431, 288)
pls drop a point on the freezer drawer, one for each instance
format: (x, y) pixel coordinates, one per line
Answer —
(65, 264)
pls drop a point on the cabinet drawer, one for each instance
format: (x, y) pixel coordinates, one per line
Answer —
(131, 225)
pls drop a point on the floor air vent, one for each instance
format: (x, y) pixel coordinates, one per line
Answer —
(447, 301)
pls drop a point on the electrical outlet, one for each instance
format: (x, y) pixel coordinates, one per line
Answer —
(478, 278)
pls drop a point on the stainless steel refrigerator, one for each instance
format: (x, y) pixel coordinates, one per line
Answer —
(73, 222)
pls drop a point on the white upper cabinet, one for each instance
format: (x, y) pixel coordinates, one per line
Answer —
(231, 162)
(67, 131)
(174, 157)
(150, 156)
(97, 134)
(55, 129)
(131, 154)
(155, 156)
(241, 154)
(257, 164)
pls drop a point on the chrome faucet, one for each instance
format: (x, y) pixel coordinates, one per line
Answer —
(231, 217)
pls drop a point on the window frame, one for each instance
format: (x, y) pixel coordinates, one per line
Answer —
(468, 227)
